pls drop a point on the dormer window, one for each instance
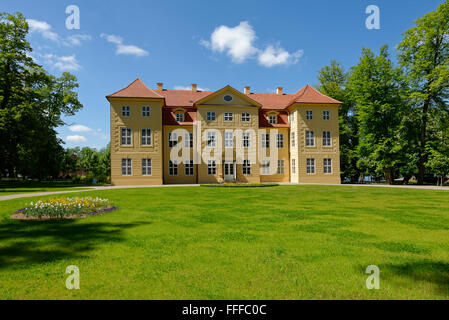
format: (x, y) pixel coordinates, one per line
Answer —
(272, 119)
(179, 117)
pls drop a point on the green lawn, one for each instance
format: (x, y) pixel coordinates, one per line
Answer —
(8, 187)
(285, 242)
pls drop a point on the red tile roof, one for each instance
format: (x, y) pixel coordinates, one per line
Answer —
(136, 89)
(169, 118)
(282, 120)
(187, 98)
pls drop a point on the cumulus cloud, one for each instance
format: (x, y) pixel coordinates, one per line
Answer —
(273, 56)
(77, 39)
(62, 63)
(42, 28)
(123, 48)
(238, 43)
(79, 128)
(76, 138)
(190, 88)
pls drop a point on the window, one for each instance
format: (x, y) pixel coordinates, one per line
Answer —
(280, 140)
(126, 167)
(146, 167)
(173, 168)
(188, 168)
(310, 165)
(211, 167)
(246, 117)
(229, 139)
(146, 137)
(228, 116)
(126, 111)
(246, 167)
(210, 116)
(179, 117)
(326, 115)
(310, 139)
(293, 166)
(272, 119)
(227, 98)
(327, 165)
(172, 139)
(246, 139)
(126, 137)
(145, 111)
(309, 115)
(292, 117)
(266, 140)
(211, 138)
(293, 139)
(265, 167)
(281, 166)
(326, 139)
(188, 143)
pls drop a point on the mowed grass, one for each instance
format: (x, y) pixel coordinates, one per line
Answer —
(285, 242)
(8, 187)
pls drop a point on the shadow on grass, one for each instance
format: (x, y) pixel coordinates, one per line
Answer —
(28, 242)
(434, 272)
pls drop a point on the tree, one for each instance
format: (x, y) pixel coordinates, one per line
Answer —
(438, 163)
(376, 87)
(333, 81)
(424, 53)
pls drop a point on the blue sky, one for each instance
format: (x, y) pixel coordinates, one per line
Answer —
(263, 44)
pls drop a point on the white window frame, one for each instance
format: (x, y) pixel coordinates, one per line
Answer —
(327, 139)
(146, 166)
(179, 117)
(246, 139)
(211, 139)
(265, 140)
(280, 140)
(229, 139)
(188, 140)
(172, 139)
(309, 114)
(146, 111)
(145, 138)
(310, 138)
(246, 117)
(211, 116)
(326, 115)
(327, 165)
(211, 167)
(127, 166)
(127, 135)
(272, 119)
(126, 111)
(246, 167)
(281, 167)
(265, 167)
(189, 168)
(228, 117)
(310, 165)
(293, 166)
(172, 168)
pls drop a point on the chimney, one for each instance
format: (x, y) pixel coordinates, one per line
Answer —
(279, 90)
(160, 86)
(194, 87)
(247, 90)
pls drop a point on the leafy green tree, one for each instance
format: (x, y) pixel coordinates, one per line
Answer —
(424, 53)
(333, 80)
(376, 87)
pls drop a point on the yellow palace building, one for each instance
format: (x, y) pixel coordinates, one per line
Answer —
(223, 135)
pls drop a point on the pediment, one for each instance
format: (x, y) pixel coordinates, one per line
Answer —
(228, 96)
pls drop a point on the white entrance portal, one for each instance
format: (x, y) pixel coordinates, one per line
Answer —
(229, 173)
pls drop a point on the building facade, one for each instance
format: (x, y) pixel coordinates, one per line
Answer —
(150, 128)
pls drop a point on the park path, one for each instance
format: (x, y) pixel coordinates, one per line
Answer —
(38, 194)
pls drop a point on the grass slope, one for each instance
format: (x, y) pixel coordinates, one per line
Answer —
(285, 242)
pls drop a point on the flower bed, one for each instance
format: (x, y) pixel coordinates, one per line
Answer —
(61, 208)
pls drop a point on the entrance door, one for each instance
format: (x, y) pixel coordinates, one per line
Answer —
(229, 171)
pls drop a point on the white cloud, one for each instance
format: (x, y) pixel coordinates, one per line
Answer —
(238, 43)
(79, 128)
(76, 39)
(122, 48)
(62, 63)
(43, 28)
(190, 88)
(76, 138)
(273, 56)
